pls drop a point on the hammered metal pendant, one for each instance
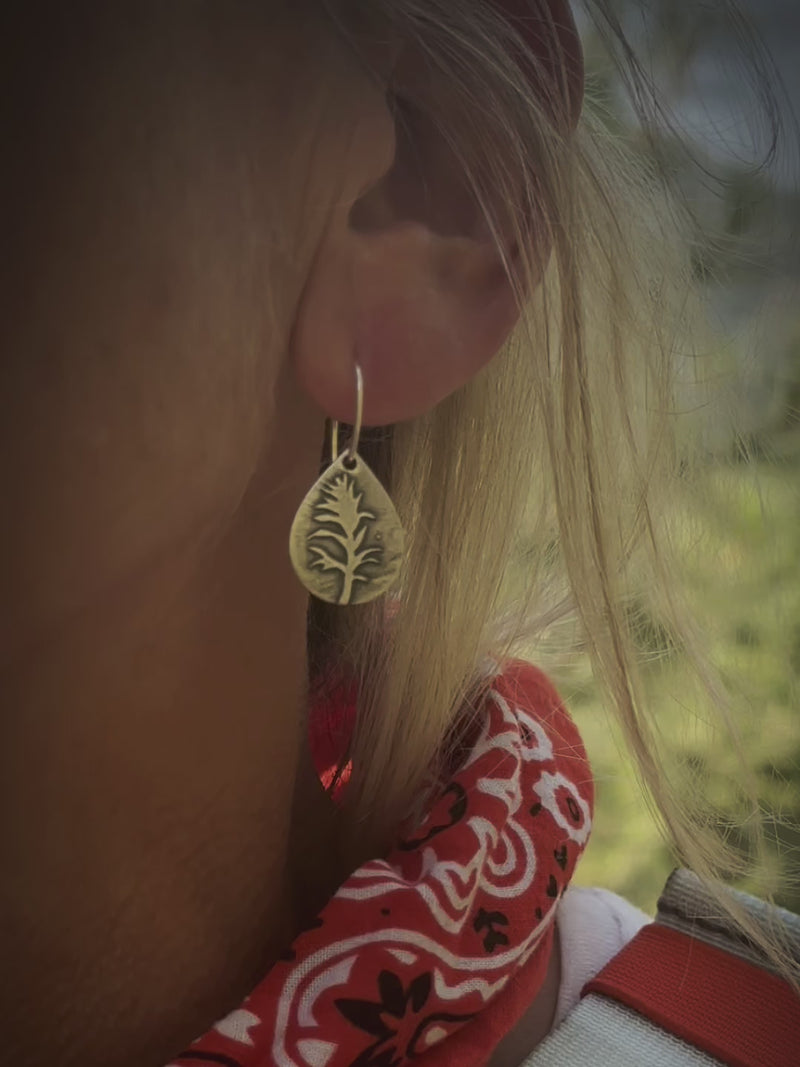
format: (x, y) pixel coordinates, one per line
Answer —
(346, 542)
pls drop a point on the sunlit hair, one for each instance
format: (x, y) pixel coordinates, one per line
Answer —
(570, 430)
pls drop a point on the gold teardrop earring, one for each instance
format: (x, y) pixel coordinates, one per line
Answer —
(346, 542)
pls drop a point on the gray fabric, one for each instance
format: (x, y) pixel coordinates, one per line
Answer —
(688, 906)
(602, 1033)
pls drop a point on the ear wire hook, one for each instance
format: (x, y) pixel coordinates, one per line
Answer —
(354, 440)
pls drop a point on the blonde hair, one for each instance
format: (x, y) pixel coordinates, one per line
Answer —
(580, 405)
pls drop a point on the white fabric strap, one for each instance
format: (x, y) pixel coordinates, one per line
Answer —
(602, 1033)
(593, 926)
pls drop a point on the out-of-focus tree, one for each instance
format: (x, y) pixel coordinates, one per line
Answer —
(728, 137)
(731, 140)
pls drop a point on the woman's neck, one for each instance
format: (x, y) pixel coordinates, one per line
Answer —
(154, 814)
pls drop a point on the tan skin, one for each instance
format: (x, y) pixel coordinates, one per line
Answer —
(161, 829)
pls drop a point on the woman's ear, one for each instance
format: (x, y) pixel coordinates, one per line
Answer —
(403, 285)
(407, 282)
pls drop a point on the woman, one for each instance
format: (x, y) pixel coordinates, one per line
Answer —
(213, 213)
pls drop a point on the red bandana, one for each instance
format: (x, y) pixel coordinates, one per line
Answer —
(441, 946)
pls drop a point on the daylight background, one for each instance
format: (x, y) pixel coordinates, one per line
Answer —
(744, 569)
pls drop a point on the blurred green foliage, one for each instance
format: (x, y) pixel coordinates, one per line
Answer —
(742, 560)
(740, 528)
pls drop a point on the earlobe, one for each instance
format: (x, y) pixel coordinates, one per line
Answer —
(431, 312)
(420, 313)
